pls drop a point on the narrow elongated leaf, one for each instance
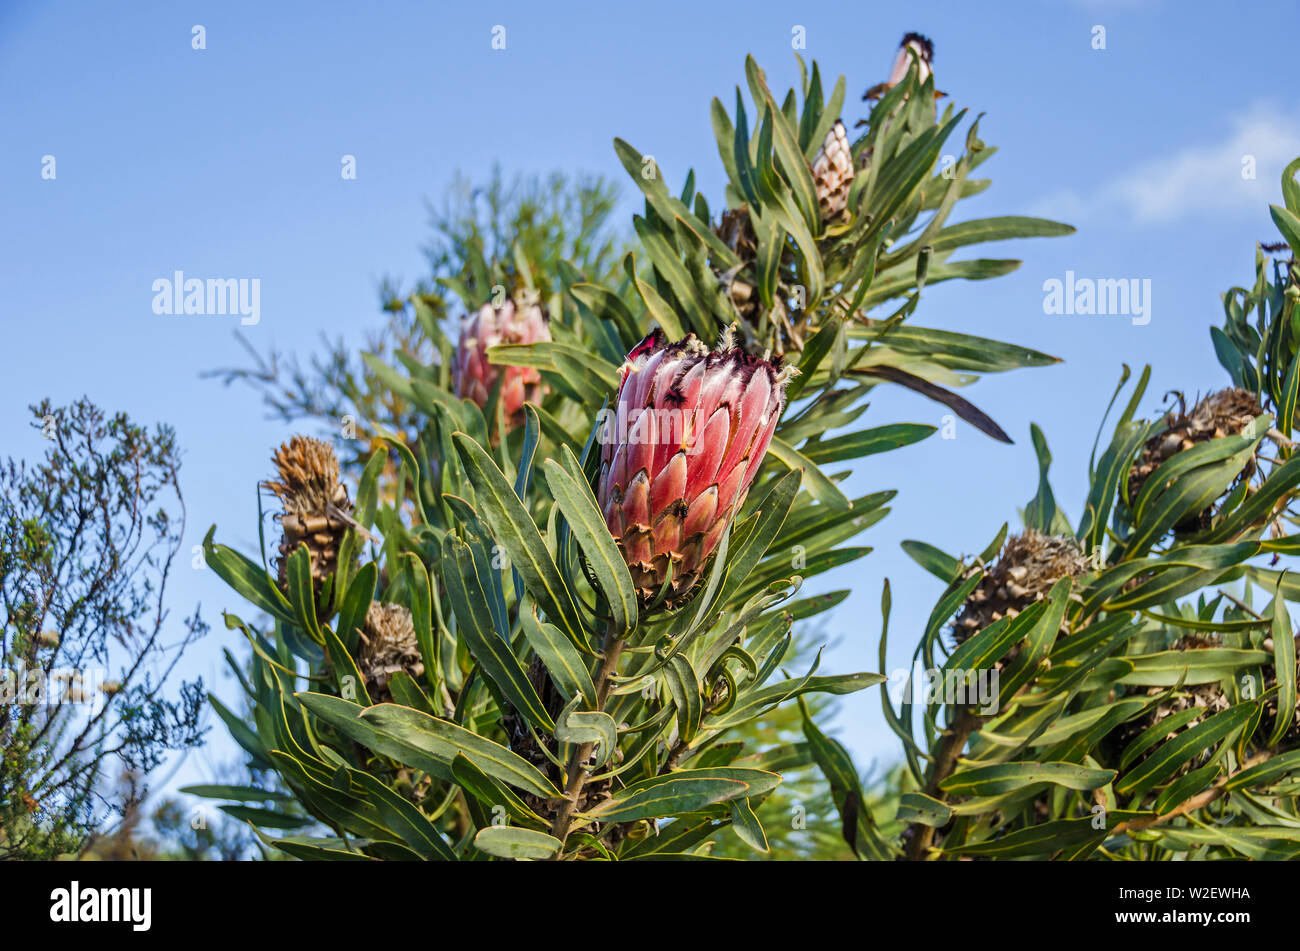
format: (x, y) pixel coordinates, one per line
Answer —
(940, 564)
(1165, 761)
(593, 536)
(747, 826)
(487, 645)
(426, 742)
(239, 793)
(562, 660)
(511, 842)
(514, 529)
(587, 726)
(822, 488)
(247, 577)
(1284, 664)
(1008, 777)
(404, 819)
(674, 796)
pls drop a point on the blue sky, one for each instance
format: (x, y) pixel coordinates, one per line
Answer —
(225, 162)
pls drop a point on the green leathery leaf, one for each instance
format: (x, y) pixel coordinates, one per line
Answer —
(413, 467)
(1184, 787)
(356, 603)
(490, 647)
(917, 807)
(408, 822)
(986, 648)
(352, 686)
(587, 726)
(940, 564)
(1165, 760)
(1038, 642)
(997, 229)
(238, 793)
(241, 733)
(866, 442)
(516, 532)
(773, 510)
(674, 796)
(1008, 777)
(1284, 663)
(561, 658)
(1262, 774)
(1153, 735)
(747, 825)
(588, 526)
(248, 579)
(1200, 666)
(673, 838)
(426, 742)
(1046, 838)
(659, 309)
(836, 765)
(421, 606)
(607, 305)
(822, 488)
(684, 687)
(751, 703)
(512, 842)
(266, 818)
(491, 793)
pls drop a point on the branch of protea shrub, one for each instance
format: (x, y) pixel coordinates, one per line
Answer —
(316, 509)
(679, 453)
(520, 321)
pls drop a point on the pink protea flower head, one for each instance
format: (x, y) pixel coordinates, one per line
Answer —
(924, 51)
(911, 43)
(514, 322)
(680, 451)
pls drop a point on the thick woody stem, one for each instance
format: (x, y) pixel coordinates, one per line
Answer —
(945, 761)
(578, 771)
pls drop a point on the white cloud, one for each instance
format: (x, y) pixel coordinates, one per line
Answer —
(1201, 180)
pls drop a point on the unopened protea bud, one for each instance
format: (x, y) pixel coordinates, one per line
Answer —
(912, 43)
(680, 452)
(316, 505)
(833, 172)
(514, 322)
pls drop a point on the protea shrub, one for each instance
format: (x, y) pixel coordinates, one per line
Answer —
(316, 507)
(517, 321)
(680, 453)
